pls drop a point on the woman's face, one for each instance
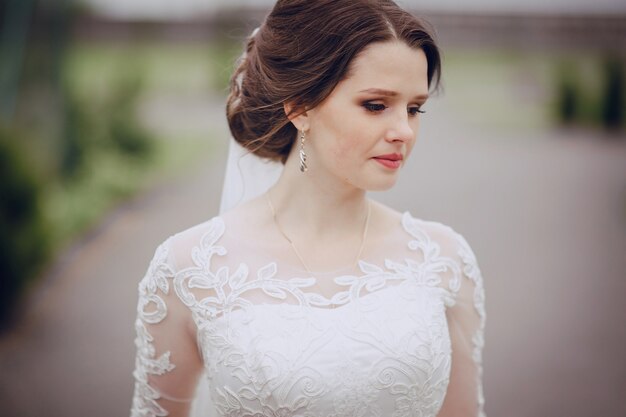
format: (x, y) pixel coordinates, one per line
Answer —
(365, 130)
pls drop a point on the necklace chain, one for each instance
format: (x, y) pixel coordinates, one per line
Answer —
(293, 246)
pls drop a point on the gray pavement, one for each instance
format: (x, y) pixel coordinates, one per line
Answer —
(545, 213)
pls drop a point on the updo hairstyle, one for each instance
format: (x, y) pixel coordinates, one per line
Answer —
(300, 53)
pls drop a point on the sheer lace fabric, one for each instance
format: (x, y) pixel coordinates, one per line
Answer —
(401, 335)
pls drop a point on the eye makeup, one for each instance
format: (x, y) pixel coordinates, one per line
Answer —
(379, 107)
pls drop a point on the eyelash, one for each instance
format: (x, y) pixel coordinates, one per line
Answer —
(376, 107)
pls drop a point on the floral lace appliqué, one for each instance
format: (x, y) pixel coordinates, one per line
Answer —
(257, 369)
(146, 361)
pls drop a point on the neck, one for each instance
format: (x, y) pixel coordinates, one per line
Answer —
(316, 206)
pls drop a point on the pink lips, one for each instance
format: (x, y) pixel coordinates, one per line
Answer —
(392, 160)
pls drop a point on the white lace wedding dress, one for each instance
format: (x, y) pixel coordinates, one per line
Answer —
(401, 336)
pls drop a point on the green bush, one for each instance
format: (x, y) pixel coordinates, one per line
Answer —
(91, 128)
(75, 139)
(24, 241)
(124, 129)
(612, 105)
(86, 150)
(596, 99)
(567, 94)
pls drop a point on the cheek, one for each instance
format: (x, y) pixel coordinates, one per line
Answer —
(342, 138)
(347, 147)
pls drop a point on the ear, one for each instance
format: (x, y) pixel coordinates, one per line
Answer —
(298, 116)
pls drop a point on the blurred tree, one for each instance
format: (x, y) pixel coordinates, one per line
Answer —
(24, 242)
(612, 105)
(15, 23)
(75, 126)
(64, 147)
(76, 138)
(125, 131)
(566, 94)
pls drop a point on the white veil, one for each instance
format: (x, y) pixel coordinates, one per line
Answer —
(246, 177)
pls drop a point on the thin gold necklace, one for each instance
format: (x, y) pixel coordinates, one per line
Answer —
(295, 250)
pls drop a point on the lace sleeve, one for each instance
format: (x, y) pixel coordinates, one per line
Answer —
(167, 364)
(466, 322)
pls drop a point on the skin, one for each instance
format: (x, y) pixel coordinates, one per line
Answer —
(343, 134)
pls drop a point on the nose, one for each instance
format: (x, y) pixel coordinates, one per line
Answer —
(401, 129)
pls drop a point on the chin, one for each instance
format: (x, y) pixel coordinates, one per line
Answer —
(380, 185)
(371, 180)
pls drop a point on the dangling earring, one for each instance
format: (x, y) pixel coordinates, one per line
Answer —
(303, 166)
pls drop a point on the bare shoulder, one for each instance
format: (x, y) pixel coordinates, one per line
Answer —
(252, 215)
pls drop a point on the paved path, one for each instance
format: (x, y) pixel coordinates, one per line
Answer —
(546, 216)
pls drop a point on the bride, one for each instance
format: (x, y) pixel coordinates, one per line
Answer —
(304, 297)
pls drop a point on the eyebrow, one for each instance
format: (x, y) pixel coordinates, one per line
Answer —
(388, 93)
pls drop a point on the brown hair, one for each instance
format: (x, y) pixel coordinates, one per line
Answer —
(300, 53)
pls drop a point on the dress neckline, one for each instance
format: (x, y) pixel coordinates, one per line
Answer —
(351, 270)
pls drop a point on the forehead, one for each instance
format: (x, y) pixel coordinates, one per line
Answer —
(393, 65)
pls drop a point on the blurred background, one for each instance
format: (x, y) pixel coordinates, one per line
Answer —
(113, 137)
